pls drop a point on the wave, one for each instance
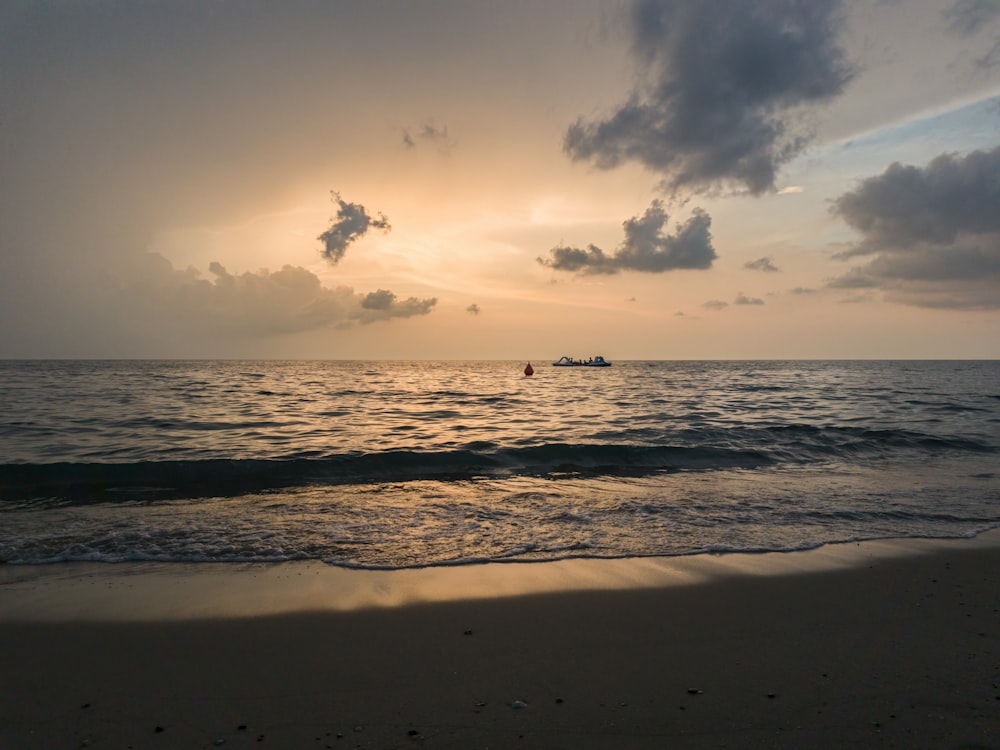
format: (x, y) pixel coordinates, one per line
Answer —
(114, 550)
(149, 480)
(706, 450)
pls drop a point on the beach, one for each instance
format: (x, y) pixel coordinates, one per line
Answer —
(878, 644)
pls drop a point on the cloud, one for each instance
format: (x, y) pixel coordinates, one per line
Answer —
(715, 304)
(761, 264)
(933, 233)
(992, 57)
(742, 299)
(856, 278)
(858, 299)
(264, 303)
(384, 305)
(967, 17)
(803, 290)
(430, 134)
(591, 260)
(645, 247)
(473, 309)
(351, 223)
(721, 91)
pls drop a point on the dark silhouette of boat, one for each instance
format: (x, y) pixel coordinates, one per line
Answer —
(592, 362)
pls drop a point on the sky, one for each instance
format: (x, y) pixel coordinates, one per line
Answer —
(651, 179)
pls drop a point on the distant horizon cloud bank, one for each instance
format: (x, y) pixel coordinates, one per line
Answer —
(263, 303)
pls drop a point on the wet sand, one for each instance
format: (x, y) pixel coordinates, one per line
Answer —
(873, 645)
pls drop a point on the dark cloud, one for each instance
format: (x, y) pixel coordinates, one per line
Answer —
(645, 247)
(591, 260)
(933, 233)
(473, 309)
(906, 205)
(803, 290)
(742, 299)
(761, 264)
(722, 84)
(715, 304)
(351, 223)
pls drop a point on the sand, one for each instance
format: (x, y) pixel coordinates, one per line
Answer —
(878, 645)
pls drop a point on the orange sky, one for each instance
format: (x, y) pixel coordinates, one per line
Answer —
(170, 167)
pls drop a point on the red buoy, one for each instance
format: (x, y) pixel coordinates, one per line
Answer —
(529, 370)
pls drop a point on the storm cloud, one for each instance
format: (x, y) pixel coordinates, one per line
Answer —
(645, 247)
(351, 223)
(932, 233)
(721, 91)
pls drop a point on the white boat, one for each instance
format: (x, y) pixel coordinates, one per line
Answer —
(592, 362)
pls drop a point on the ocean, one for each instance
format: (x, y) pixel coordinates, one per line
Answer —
(391, 465)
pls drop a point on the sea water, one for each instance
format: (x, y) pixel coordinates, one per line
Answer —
(405, 464)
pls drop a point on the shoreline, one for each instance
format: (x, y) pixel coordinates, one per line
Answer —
(879, 644)
(153, 591)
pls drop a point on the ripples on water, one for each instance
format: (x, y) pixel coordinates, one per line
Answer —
(389, 464)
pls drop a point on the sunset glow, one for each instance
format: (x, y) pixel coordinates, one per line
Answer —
(635, 178)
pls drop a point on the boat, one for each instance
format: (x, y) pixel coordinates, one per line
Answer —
(592, 362)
